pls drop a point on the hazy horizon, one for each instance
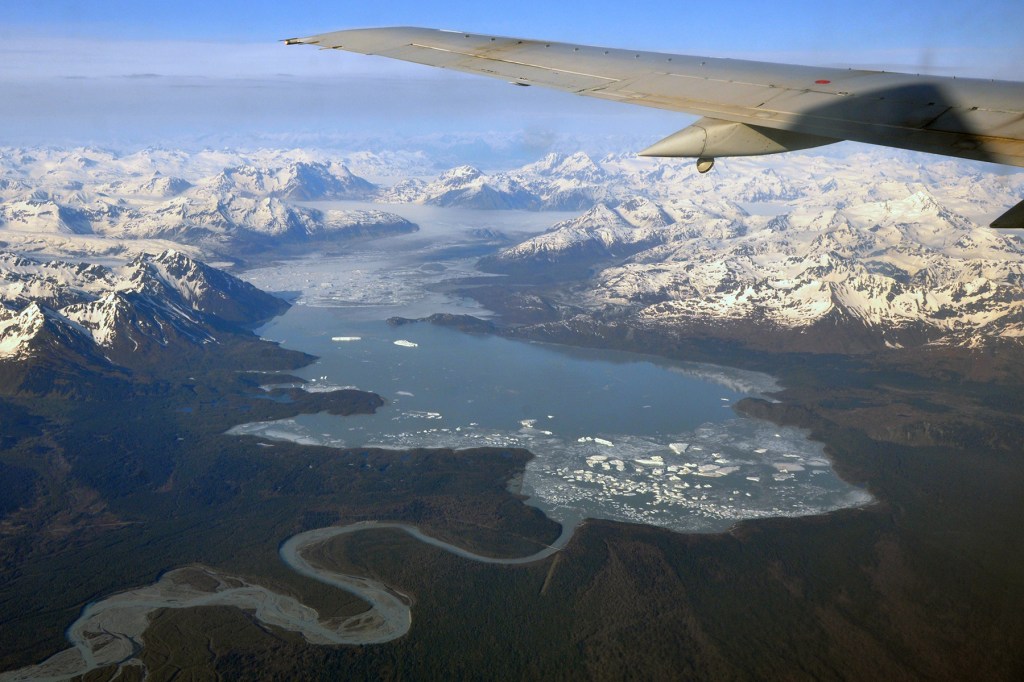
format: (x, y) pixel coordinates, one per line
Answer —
(123, 75)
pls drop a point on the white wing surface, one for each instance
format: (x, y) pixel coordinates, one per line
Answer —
(748, 107)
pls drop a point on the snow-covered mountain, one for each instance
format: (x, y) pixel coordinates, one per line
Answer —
(219, 220)
(601, 233)
(303, 181)
(555, 183)
(908, 271)
(177, 294)
(567, 182)
(157, 186)
(888, 241)
(466, 187)
(43, 214)
(573, 182)
(59, 318)
(219, 201)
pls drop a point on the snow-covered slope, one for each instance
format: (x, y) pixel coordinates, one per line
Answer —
(908, 270)
(220, 220)
(244, 203)
(103, 314)
(467, 187)
(42, 214)
(555, 183)
(602, 232)
(157, 186)
(891, 242)
(300, 180)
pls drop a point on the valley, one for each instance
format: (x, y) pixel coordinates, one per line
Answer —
(876, 327)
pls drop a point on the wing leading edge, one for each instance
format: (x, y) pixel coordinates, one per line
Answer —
(748, 107)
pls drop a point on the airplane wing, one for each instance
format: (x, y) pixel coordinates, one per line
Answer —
(748, 107)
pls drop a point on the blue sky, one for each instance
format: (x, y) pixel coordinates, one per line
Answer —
(92, 71)
(946, 34)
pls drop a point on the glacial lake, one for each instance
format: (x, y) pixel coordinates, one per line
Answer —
(615, 435)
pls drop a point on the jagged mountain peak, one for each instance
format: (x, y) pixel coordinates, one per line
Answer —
(576, 166)
(18, 329)
(302, 180)
(601, 215)
(460, 175)
(130, 312)
(38, 331)
(163, 186)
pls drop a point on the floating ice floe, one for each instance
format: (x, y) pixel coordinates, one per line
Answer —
(709, 470)
(327, 388)
(787, 468)
(406, 344)
(670, 489)
(346, 338)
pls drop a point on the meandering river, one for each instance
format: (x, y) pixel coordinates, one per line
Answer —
(109, 632)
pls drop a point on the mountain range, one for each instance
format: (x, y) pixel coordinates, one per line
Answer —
(82, 200)
(879, 273)
(808, 250)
